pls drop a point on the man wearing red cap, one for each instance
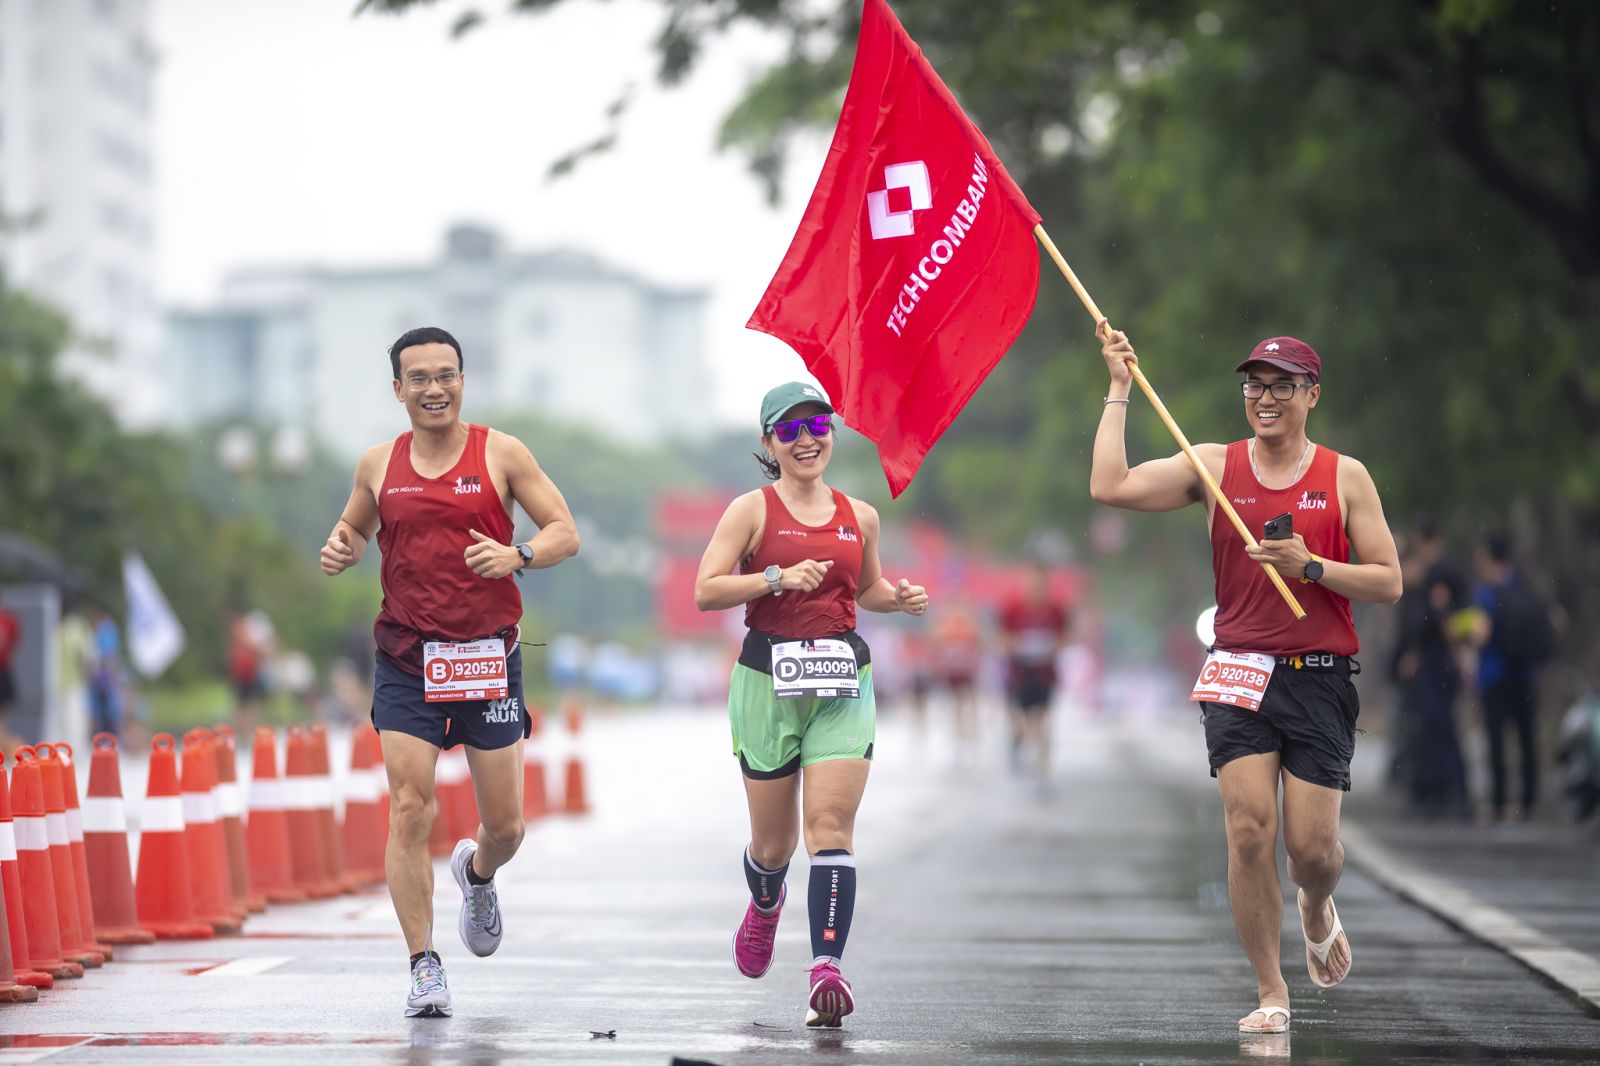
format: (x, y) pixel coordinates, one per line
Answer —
(1276, 699)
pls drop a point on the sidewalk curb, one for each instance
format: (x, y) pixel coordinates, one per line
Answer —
(1567, 967)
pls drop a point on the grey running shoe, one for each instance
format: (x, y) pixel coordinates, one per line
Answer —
(430, 996)
(480, 904)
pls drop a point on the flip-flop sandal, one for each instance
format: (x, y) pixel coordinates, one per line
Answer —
(1322, 950)
(1266, 1016)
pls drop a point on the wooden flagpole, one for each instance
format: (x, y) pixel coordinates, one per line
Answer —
(1172, 426)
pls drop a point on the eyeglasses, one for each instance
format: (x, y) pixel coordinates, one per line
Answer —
(816, 425)
(445, 378)
(1281, 390)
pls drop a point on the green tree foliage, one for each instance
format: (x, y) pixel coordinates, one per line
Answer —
(74, 481)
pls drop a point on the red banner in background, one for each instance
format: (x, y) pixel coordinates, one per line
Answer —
(914, 267)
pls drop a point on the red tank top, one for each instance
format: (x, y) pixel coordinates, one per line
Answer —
(428, 591)
(1251, 615)
(830, 608)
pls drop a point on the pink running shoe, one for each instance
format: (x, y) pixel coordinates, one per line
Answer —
(830, 997)
(752, 944)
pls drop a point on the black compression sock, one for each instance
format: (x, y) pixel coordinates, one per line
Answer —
(765, 885)
(419, 956)
(474, 879)
(831, 900)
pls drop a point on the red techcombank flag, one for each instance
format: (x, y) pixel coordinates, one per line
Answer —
(914, 267)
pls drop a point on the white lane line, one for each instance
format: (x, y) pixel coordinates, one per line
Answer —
(1566, 966)
(257, 964)
(32, 1052)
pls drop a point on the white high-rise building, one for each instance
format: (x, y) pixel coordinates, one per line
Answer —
(556, 333)
(77, 196)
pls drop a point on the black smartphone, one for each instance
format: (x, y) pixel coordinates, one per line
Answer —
(1279, 528)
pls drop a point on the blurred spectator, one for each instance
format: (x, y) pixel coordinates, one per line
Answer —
(1428, 756)
(74, 658)
(1514, 639)
(107, 695)
(10, 633)
(957, 647)
(1033, 627)
(249, 642)
(569, 661)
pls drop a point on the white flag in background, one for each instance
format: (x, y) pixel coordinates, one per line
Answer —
(155, 636)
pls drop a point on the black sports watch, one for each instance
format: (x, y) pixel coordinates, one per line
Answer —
(1313, 570)
(527, 556)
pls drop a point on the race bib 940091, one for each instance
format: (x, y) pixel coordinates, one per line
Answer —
(1237, 678)
(814, 669)
(475, 670)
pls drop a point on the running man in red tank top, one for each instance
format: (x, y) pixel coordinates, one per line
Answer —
(799, 557)
(449, 670)
(1299, 732)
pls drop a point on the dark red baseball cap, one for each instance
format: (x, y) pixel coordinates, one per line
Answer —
(1286, 353)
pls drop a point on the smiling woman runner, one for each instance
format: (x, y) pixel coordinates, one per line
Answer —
(800, 556)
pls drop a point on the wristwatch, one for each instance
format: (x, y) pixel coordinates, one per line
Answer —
(1313, 571)
(772, 574)
(527, 556)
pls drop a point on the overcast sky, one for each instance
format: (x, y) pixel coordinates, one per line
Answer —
(288, 131)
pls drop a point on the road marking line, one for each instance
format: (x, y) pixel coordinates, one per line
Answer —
(250, 967)
(35, 1048)
(1568, 967)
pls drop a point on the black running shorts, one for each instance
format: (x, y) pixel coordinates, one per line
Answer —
(1308, 717)
(1031, 695)
(398, 704)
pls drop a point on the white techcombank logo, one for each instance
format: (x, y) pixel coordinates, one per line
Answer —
(912, 177)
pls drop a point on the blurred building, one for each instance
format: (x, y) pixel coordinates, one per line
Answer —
(77, 197)
(552, 333)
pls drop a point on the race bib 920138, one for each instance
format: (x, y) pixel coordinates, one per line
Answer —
(824, 668)
(1237, 678)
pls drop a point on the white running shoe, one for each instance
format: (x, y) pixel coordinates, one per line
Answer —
(430, 995)
(480, 904)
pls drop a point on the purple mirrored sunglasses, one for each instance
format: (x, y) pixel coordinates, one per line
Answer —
(789, 431)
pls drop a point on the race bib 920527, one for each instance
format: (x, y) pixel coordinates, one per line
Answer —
(475, 670)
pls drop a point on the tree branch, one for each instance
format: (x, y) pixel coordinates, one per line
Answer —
(1458, 119)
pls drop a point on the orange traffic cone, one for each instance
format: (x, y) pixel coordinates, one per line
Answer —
(60, 766)
(576, 800)
(10, 990)
(208, 850)
(14, 966)
(267, 830)
(327, 818)
(228, 805)
(37, 888)
(364, 831)
(75, 944)
(307, 856)
(535, 794)
(166, 903)
(105, 849)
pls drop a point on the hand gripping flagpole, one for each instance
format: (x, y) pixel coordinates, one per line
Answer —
(1172, 426)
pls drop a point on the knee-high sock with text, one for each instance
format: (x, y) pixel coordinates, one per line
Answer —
(832, 902)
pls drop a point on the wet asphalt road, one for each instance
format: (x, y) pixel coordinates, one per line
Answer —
(994, 925)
